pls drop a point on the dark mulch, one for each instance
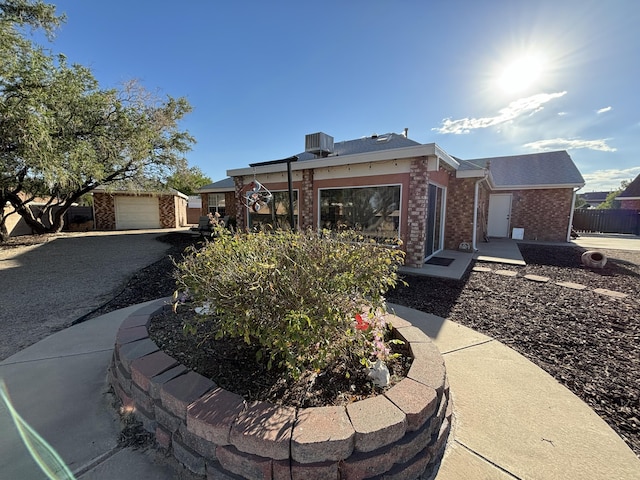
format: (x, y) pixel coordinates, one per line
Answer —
(232, 364)
(588, 342)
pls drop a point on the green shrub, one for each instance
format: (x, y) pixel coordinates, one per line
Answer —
(296, 295)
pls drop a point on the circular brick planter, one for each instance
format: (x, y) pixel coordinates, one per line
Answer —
(400, 434)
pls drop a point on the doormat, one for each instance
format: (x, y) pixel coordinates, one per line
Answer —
(440, 261)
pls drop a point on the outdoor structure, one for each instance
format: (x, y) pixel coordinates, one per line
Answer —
(593, 199)
(131, 210)
(14, 223)
(76, 219)
(389, 186)
(194, 209)
(630, 197)
(401, 433)
(219, 197)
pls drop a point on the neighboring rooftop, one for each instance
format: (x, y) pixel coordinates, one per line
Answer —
(632, 192)
(219, 186)
(594, 196)
(594, 199)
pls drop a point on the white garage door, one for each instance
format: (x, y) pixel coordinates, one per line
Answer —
(137, 212)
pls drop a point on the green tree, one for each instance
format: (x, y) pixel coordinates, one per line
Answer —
(580, 202)
(187, 179)
(611, 202)
(62, 135)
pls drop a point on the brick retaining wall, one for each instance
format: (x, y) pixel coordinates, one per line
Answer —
(215, 433)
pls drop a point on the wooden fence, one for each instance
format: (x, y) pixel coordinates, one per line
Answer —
(606, 221)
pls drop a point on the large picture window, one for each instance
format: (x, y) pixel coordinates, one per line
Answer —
(276, 213)
(373, 211)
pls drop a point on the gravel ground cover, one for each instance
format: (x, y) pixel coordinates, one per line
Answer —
(588, 341)
(51, 281)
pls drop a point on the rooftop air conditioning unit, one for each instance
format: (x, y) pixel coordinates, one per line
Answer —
(318, 143)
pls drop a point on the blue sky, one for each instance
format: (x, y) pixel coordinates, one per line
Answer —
(262, 74)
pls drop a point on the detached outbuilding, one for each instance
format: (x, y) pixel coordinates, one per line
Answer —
(135, 210)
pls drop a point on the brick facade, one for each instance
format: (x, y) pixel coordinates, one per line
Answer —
(417, 212)
(172, 210)
(305, 207)
(167, 208)
(459, 217)
(230, 206)
(241, 212)
(544, 214)
(630, 204)
(104, 211)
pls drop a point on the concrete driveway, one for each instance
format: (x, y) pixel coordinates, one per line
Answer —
(611, 241)
(44, 288)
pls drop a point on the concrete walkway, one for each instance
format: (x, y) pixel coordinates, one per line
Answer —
(506, 251)
(59, 387)
(512, 420)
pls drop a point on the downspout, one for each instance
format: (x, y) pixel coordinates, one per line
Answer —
(573, 206)
(475, 210)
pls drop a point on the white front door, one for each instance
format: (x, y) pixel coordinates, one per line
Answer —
(499, 215)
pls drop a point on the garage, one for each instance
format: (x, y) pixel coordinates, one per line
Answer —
(131, 210)
(137, 212)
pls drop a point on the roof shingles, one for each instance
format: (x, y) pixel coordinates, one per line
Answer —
(532, 170)
(632, 190)
(537, 170)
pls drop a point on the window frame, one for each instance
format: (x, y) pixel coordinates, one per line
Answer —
(398, 232)
(296, 203)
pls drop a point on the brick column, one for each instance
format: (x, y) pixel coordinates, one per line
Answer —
(104, 211)
(204, 209)
(417, 214)
(241, 210)
(305, 206)
(167, 211)
(460, 205)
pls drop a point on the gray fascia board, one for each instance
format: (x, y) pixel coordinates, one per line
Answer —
(536, 187)
(480, 172)
(216, 190)
(627, 198)
(430, 149)
(153, 193)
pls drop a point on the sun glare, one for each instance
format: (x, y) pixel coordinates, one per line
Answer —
(521, 74)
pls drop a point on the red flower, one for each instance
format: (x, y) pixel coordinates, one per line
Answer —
(360, 323)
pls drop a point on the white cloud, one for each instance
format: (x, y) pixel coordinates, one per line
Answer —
(515, 109)
(570, 144)
(604, 110)
(562, 114)
(607, 180)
